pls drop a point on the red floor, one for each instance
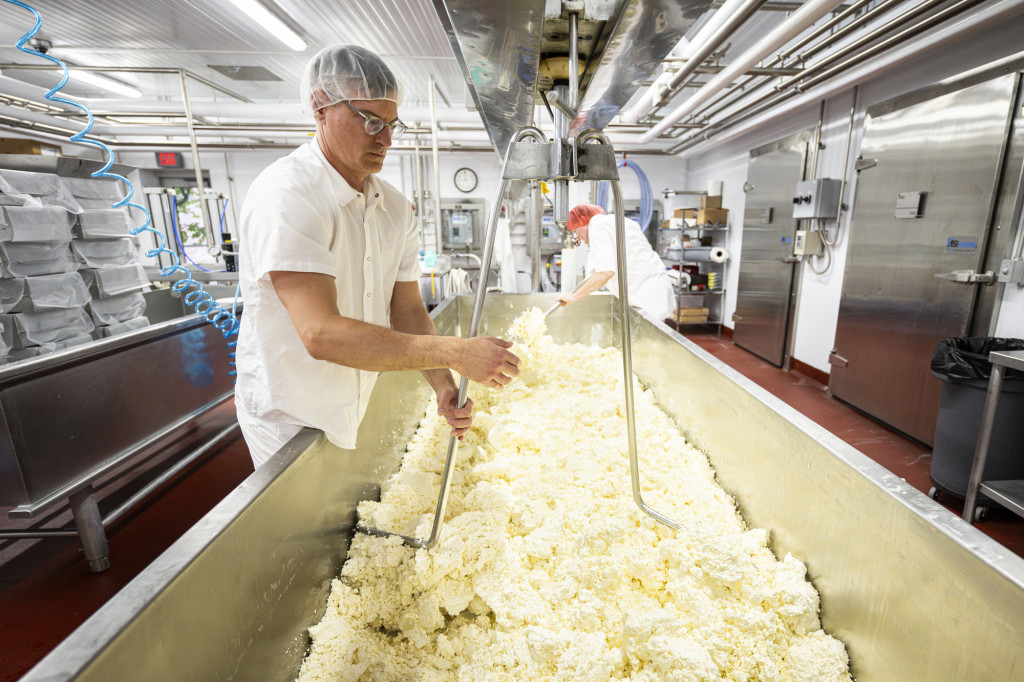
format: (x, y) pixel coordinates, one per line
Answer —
(47, 590)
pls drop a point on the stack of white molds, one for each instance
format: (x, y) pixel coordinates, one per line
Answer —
(42, 297)
(109, 257)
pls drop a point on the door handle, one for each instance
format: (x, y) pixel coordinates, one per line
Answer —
(834, 358)
(736, 318)
(968, 277)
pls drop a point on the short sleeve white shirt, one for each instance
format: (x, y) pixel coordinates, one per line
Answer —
(300, 215)
(648, 283)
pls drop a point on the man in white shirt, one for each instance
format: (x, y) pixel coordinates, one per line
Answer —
(329, 274)
(647, 281)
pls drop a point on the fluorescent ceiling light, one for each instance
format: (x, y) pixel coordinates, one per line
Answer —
(262, 16)
(93, 78)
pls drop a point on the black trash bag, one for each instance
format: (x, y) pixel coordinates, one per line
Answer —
(966, 358)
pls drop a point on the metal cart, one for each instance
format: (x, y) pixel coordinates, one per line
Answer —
(1009, 494)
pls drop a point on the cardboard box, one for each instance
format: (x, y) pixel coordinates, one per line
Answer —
(20, 145)
(685, 213)
(707, 202)
(713, 216)
(691, 315)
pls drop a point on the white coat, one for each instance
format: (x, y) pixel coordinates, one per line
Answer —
(300, 215)
(648, 283)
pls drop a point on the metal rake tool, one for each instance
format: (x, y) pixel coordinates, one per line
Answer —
(526, 166)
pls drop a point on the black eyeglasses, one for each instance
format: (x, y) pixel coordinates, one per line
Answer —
(374, 124)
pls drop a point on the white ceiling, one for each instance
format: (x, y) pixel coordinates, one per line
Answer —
(197, 34)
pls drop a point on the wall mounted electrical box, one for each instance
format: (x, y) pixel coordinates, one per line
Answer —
(550, 235)
(458, 229)
(817, 199)
(462, 223)
(806, 242)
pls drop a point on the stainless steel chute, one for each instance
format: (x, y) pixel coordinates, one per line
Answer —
(504, 49)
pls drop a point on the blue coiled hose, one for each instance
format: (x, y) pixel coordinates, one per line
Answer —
(199, 300)
(646, 195)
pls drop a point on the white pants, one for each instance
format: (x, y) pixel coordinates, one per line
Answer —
(264, 438)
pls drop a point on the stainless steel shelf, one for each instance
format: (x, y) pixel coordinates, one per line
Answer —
(1008, 494)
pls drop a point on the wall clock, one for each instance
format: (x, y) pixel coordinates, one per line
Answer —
(465, 179)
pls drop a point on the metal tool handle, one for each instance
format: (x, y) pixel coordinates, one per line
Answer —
(562, 304)
(478, 306)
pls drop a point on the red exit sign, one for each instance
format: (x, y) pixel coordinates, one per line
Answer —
(168, 160)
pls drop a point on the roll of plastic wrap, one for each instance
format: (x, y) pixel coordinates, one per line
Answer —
(704, 254)
(714, 188)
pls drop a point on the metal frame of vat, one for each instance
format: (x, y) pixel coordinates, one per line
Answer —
(911, 589)
(69, 418)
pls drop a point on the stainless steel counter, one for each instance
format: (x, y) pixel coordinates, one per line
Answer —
(913, 591)
(70, 417)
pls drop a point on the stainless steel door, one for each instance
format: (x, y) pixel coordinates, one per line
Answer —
(765, 279)
(941, 158)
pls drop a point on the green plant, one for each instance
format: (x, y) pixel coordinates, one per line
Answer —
(190, 217)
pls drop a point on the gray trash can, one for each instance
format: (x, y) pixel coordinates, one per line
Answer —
(962, 365)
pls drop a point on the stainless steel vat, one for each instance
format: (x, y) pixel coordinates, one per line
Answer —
(913, 591)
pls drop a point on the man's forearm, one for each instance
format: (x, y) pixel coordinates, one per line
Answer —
(366, 346)
(311, 302)
(590, 285)
(417, 321)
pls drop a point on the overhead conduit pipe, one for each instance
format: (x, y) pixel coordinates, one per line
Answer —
(801, 20)
(969, 24)
(856, 15)
(719, 28)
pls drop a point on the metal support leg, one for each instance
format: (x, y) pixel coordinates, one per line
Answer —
(90, 529)
(988, 418)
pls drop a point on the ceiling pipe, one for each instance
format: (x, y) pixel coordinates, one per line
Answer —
(855, 16)
(16, 118)
(856, 48)
(971, 23)
(800, 21)
(723, 24)
(274, 112)
(772, 100)
(736, 105)
(168, 70)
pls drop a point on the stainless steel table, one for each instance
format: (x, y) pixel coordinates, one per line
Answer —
(1009, 494)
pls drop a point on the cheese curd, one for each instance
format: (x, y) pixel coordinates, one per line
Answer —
(547, 570)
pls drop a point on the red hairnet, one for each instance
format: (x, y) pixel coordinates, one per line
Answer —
(581, 215)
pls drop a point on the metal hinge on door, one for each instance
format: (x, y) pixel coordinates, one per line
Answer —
(864, 164)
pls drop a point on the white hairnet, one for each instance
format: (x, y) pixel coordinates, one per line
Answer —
(347, 72)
